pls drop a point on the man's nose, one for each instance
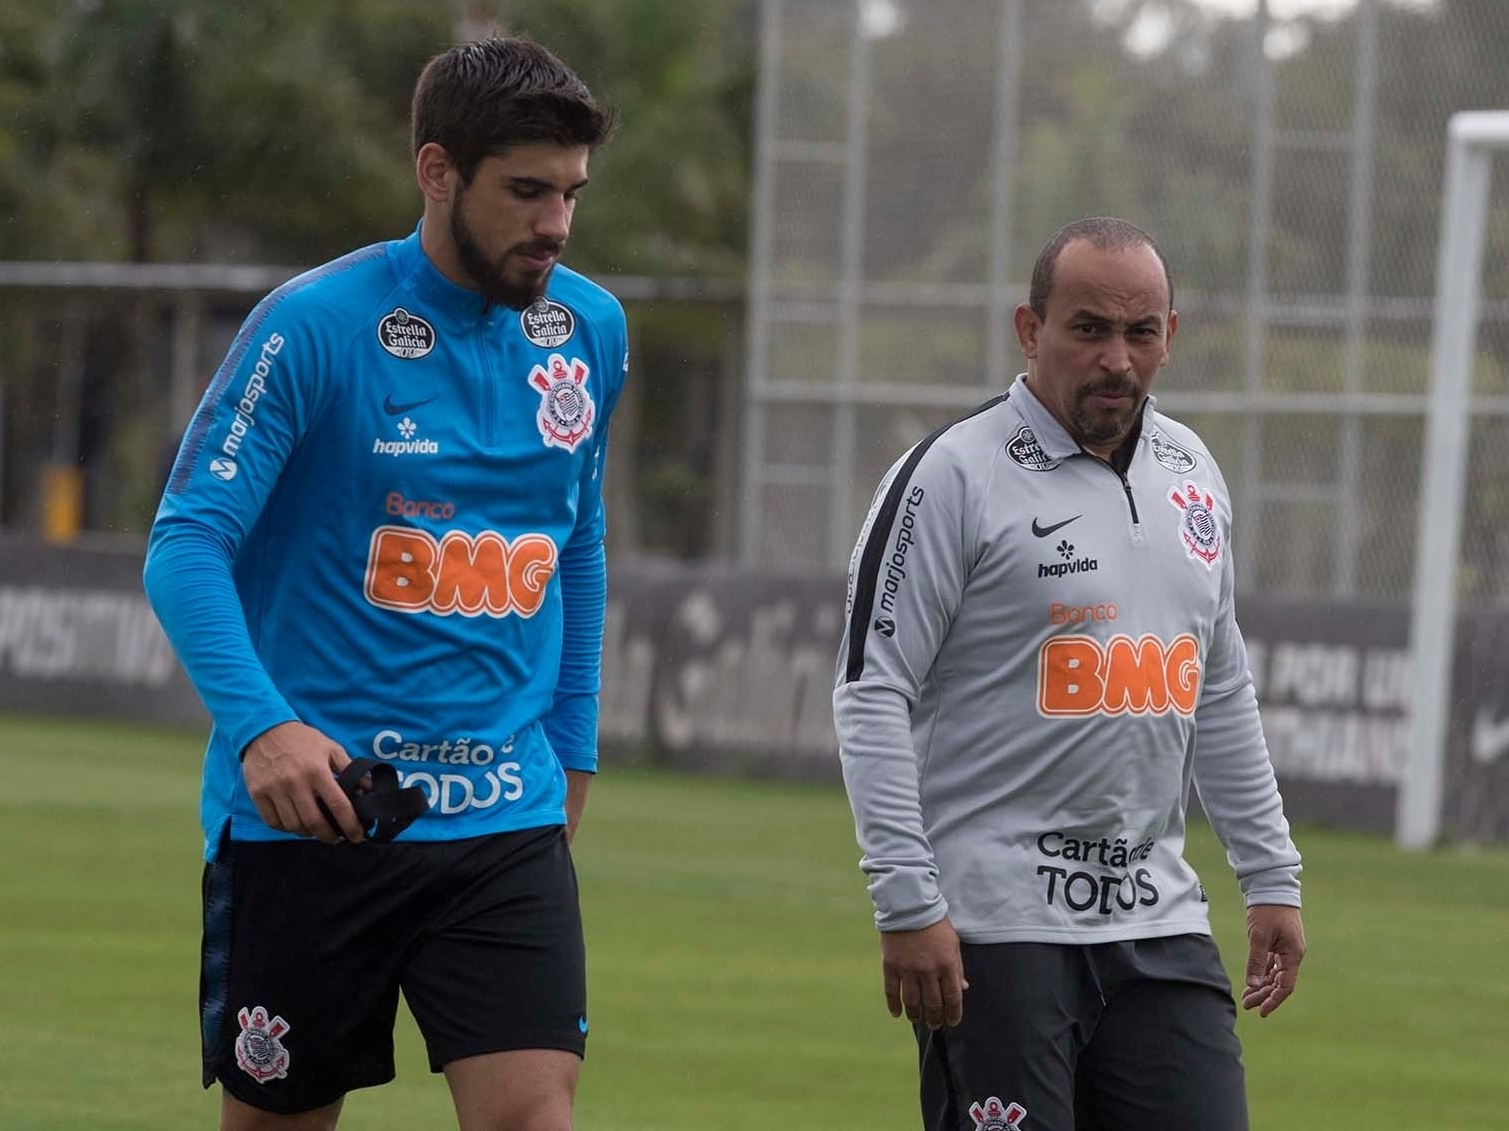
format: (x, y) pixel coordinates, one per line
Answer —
(554, 220)
(1115, 357)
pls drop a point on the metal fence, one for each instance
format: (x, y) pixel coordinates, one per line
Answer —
(102, 365)
(913, 156)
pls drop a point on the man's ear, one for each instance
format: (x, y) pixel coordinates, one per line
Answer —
(1027, 326)
(435, 172)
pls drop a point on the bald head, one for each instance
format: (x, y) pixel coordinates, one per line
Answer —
(1104, 233)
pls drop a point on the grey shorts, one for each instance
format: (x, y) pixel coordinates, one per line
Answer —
(1126, 1036)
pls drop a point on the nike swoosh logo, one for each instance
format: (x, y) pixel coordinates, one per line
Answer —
(399, 409)
(1044, 531)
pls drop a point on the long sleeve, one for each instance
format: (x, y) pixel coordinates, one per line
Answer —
(571, 724)
(250, 419)
(188, 582)
(905, 582)
(1233, 773)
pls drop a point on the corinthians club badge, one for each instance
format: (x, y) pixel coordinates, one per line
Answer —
(1200, 530)
(992, 1115)
(566, 408)
(259, 1052)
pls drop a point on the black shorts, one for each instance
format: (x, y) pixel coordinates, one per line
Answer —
(307, 945)
(1126, 1036)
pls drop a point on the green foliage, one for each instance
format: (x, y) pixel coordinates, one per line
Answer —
(734, 973)
(278, 131)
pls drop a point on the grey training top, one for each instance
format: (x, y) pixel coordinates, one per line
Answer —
(1040, 655)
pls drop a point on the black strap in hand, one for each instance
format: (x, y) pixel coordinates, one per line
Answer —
(384, 808)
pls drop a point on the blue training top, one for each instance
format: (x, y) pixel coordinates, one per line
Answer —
(386, 521)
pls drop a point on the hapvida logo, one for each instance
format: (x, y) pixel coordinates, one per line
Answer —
(1070, 564)
(407, 428)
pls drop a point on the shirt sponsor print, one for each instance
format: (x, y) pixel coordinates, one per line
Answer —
(895, 563)
(405, 335)
(1024, 450)
(1068, 881)
(259, 1049)
(411, 571)
(566, 410)
(409, 443)
(1068, 563)
(1079, 676)
(992, 1115)
(1177, 459)
(1199, 530)
(547, 324)
(244, 412)
(450, 793)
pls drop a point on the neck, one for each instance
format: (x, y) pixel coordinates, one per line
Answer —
(435, 240)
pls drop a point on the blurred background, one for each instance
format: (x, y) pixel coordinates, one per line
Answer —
(819, 215)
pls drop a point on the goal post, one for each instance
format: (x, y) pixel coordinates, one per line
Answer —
(1473, 136)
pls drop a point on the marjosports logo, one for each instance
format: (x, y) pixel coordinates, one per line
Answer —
(409, 571)
(244, 412)
(1078, 675)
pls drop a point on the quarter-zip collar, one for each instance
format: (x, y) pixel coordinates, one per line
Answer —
(1052, 436)
(434, 291)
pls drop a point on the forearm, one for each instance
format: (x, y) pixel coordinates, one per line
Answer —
(1240, 796)
(577, 784)
(187, 578)
(880, 776)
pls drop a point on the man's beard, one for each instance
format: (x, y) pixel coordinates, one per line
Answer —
(1104, 427)
(490, 275)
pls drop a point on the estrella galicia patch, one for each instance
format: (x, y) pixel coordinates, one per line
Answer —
(405, 335)
(547, 323)
(1024, 449)
(1177, 459)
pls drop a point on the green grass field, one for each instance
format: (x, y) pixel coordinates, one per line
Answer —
(734, 981)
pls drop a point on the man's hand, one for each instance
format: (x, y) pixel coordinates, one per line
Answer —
(288, 770)
(577, 782)
(924, 974)
(1275, 948)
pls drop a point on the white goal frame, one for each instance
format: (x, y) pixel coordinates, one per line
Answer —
(1473, 136)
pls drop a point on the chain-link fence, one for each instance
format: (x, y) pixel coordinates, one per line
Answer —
(1288, 157)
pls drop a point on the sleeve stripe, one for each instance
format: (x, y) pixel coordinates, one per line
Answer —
(199, 426)
(867, 574)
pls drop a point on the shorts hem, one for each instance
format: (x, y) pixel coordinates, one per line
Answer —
(243, 1091)
(523, 1042)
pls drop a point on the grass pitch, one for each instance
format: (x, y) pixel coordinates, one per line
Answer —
(734, 973)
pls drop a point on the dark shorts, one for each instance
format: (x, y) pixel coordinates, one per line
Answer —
(307, 945)
(1128, 1036)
